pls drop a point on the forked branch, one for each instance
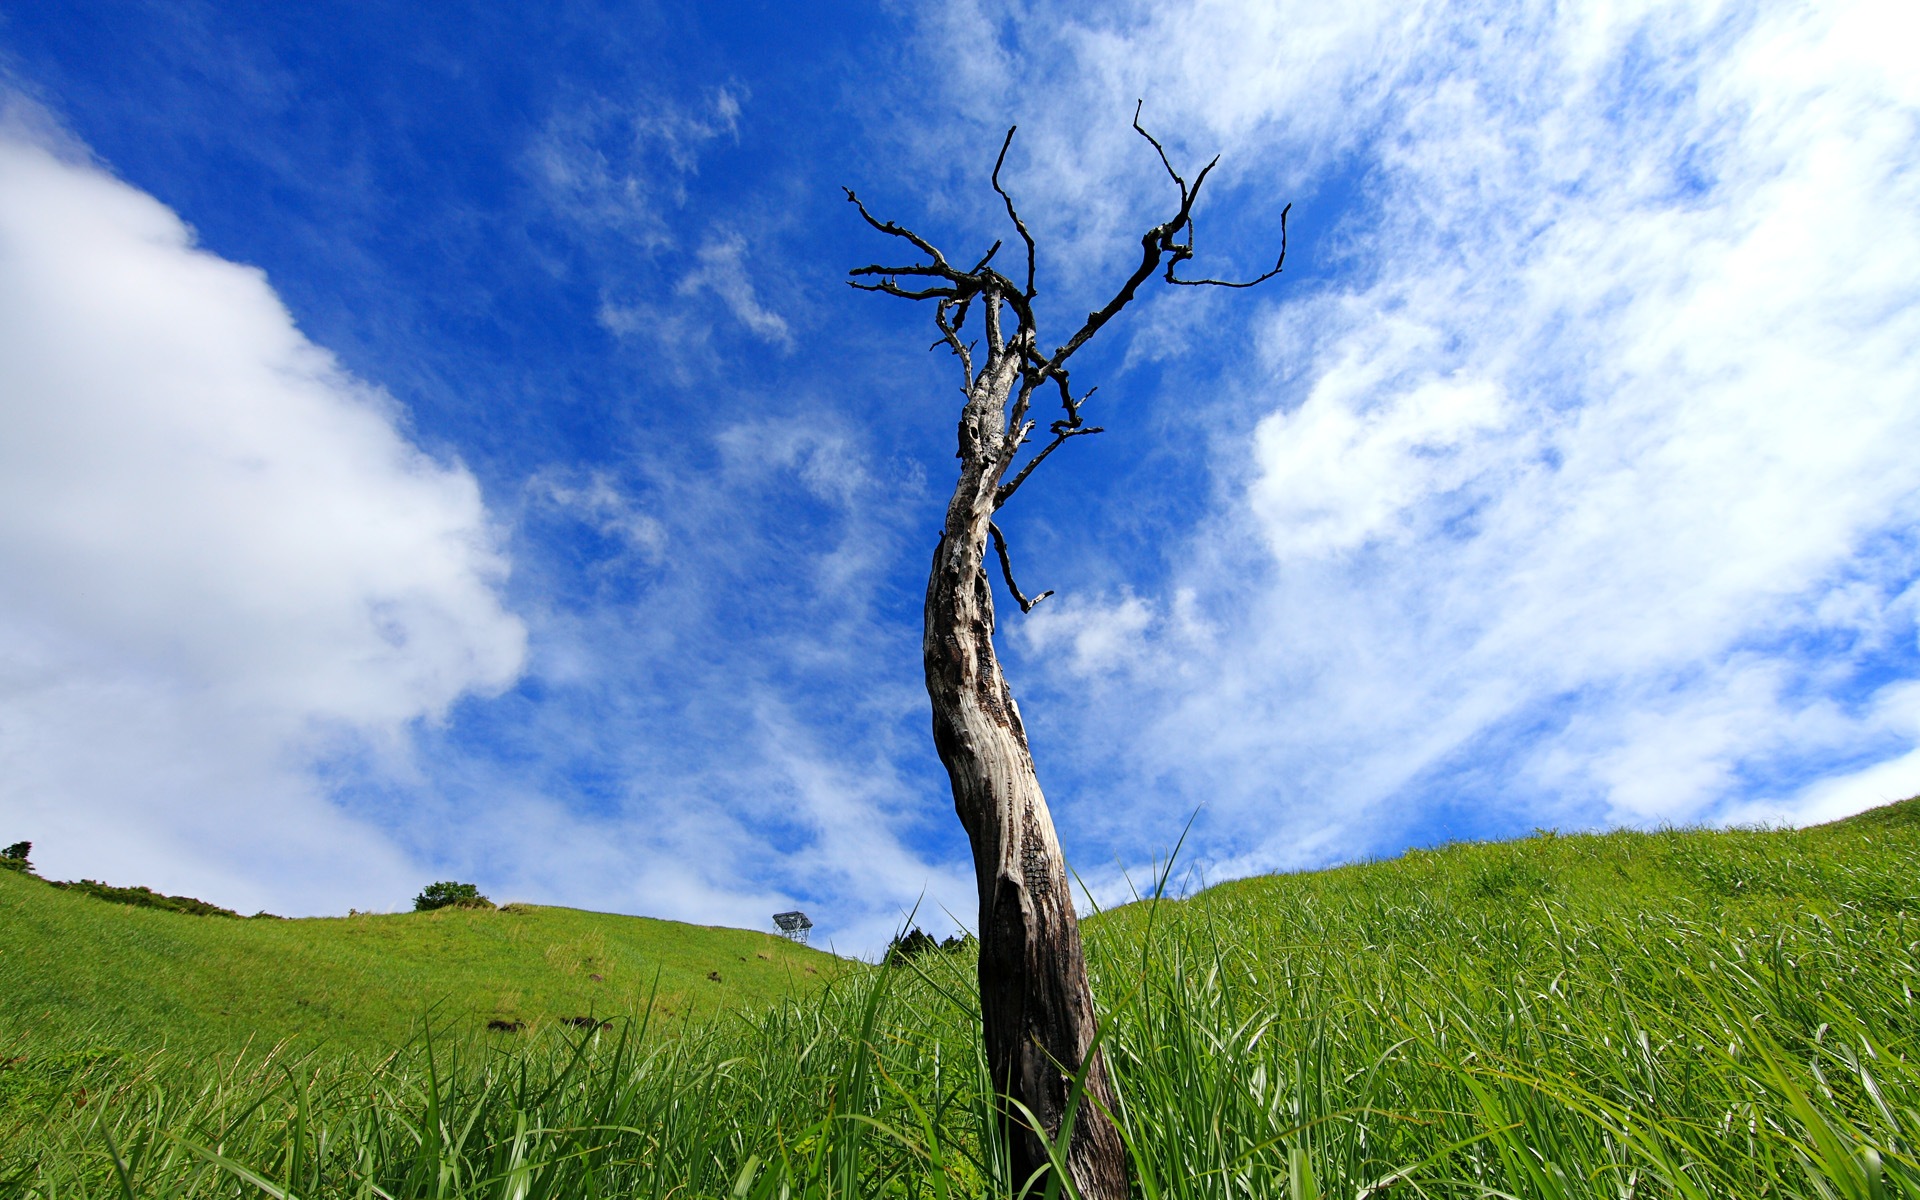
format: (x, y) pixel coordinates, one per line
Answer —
(1279, 263)
(1179, 252)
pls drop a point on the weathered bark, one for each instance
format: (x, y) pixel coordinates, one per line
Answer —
(1035, 1005)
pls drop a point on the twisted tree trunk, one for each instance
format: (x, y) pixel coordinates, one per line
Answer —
(1035, 1005)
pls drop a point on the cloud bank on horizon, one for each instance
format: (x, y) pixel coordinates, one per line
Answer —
(1564, 479)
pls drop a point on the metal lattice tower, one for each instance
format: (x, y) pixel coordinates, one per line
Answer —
(793, 925)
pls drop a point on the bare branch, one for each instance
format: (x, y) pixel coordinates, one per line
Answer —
(1152, 245)
(1006, 571)
(1011, 213)
(1278, 264)
(922, 269)
(1068, 402)
(888, 227)
(1161, 240)
(893, 289)
(1162, 150)
(1005, 491)
(949, 334)
(1163, 248)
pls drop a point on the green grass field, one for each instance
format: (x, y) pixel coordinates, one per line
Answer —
(71, 964)
(1676, 1014)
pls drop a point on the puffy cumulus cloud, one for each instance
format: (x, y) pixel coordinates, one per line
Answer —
(221, 559)
(1593, 499)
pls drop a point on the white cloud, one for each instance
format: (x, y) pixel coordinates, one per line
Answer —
(1094, 637)
(221, 560)
(1348, 464)
(618, 169)
(741, 730)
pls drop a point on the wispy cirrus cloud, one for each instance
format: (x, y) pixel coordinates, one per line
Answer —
(622, 168)
(619, 173)
(722, 728)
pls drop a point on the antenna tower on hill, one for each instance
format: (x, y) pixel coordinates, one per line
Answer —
(793, 925)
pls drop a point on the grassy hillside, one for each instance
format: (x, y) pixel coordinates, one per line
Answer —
(71, 963)
(1862, 863)
(1682, 1014)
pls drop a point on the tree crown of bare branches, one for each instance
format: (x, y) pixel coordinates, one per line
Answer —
(956, 291)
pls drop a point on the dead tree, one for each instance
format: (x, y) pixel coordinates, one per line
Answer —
(1035, 1005)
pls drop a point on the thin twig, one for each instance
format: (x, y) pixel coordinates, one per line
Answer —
(1175, 175)
(1006, 571)
(888, 227)
(1005, 491)
(950, 335)
(1011, 214)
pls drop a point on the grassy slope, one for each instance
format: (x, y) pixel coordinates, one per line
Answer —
(1863, 861)
(71, 963)
(1703, 1008)
(1672, 1014)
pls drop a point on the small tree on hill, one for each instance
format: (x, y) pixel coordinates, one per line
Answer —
(14, 857)
(906, 945)
(918, 941)
(449, 894)
(1036, 1010)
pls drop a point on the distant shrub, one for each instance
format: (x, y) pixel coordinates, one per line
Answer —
(448, 894)
(14, 857)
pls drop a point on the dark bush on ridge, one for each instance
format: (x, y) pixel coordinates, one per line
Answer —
(919, 941)
(143, 897)
(448, 894)
(14, 857)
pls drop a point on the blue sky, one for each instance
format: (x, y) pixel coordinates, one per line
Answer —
(441, 444)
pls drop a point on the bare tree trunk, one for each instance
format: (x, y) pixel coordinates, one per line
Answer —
(1035, 1005)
